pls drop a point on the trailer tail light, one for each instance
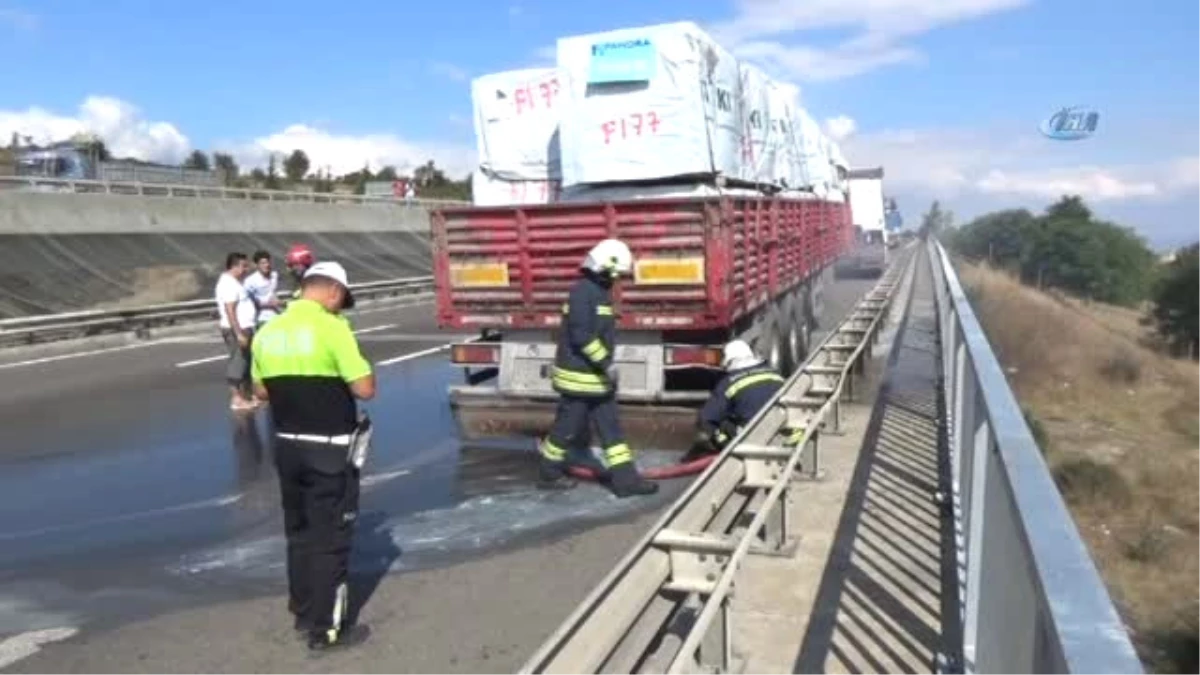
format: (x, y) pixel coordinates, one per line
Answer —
(689, 356)
(475, 354)
(669, 271)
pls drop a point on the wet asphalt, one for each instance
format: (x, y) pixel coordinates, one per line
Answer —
(129, 493)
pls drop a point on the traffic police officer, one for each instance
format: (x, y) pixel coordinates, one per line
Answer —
(747, 386)
(307, 363)
(298, 259)
(585, 376)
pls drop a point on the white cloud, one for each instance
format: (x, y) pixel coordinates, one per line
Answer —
(841, 127)
(764, 30)
(345, 153)
(119, 123)
(1093, 183)
(974, 171)
(128, 134)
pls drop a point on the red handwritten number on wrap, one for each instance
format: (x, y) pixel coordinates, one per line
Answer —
(632, 125)
(539, 96)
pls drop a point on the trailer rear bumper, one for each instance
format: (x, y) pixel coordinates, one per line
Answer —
(484, 412)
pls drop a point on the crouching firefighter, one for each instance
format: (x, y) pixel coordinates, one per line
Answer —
(748, 385)
(585, 377)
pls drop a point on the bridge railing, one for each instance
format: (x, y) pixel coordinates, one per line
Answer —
(1031, 598)
(57, 185)
(39, 328)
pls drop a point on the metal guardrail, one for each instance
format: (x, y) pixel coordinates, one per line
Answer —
(42, 328)
(665, 606)
(1031, 598)
(39, 184)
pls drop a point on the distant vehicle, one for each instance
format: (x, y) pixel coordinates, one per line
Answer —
(867, 208)
(67, 161)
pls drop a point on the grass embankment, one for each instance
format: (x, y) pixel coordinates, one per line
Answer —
(1118, 423)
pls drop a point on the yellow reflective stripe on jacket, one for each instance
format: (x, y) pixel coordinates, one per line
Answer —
(750, 381)
(584, 383)
(618, 454)
(595, 351)
(601, 310)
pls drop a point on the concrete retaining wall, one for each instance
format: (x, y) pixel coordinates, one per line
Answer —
(62, 252)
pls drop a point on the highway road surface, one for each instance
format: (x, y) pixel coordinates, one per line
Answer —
(140, 528)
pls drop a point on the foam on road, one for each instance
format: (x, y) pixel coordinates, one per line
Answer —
(175, 516)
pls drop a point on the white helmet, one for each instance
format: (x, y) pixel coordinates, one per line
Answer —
(737, 355)
(610, 256)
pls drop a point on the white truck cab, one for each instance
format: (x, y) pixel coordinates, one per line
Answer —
(870, 253)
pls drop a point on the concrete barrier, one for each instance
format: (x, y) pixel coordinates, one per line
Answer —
(62, 252)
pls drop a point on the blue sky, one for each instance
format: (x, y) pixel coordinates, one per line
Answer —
(945, 94)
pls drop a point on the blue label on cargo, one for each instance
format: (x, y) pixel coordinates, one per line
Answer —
(624, 61)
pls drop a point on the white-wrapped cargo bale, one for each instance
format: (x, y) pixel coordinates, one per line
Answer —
(648, 103)
(814, 157)
(784, 105)
(490, 190)
(622, 193)
(516, 123)
(758, 143)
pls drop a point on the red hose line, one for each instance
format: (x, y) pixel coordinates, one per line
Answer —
(679, 470)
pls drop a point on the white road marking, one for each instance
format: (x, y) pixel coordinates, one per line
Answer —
(93, 352)
(27, 644)
(218, 357)
(374, 478)
(424, 352)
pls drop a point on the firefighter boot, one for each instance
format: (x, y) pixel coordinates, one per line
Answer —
(627, 482)
(553, 476)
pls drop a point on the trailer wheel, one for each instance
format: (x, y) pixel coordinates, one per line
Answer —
(770, 345)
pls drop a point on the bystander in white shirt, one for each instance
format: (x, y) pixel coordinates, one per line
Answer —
(229, 289)
(262, 289)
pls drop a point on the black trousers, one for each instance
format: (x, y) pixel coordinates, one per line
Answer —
(572, 429)
(320, 505)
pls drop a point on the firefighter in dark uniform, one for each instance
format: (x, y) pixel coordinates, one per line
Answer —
(585, 377)
(748, 385)
(307, 363)
(298, 259)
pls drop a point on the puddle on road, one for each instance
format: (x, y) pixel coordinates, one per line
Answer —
(132, 531)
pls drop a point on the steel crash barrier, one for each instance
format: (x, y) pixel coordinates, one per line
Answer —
(1031, 598)
(665, 607)
(73, 186)
(41, 328)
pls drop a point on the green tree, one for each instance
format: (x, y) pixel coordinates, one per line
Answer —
(271, 182)
(998, 237)
(387, 173)
(936, 220)
(1176, 310)
(197, 160)
(296, 166)
(227, 165)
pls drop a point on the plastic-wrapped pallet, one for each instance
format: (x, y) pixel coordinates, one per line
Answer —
(489, 190)
(783, 109)
(758, 143)
(516, 123)
(814, 156)
(622, 193)
(648, 103)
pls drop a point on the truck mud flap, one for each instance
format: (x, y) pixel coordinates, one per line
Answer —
(480, 417)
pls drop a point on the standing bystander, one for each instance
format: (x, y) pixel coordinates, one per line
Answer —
(236, 314)
(261, 285)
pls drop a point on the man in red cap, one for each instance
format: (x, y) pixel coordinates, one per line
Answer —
(298, 259)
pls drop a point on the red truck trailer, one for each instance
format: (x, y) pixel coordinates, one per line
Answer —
(706, 270)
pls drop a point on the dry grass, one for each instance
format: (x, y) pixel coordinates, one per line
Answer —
(1120, 422)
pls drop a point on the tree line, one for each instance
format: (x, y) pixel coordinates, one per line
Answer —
(1068, 248)
(295, 169)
